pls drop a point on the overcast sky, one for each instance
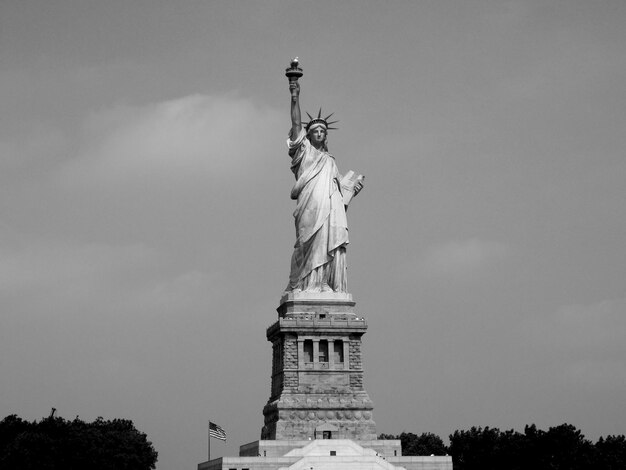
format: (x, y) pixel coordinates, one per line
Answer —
(146, 228)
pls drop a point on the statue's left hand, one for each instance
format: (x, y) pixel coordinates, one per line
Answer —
(358, 187)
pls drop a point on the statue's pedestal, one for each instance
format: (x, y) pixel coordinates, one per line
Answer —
(317, 371)
(318, 414)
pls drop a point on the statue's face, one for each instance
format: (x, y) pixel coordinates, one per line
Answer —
(317, 136)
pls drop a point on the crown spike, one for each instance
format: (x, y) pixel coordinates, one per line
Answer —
(319, 120)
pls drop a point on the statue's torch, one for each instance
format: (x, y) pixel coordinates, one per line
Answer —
(293, 73)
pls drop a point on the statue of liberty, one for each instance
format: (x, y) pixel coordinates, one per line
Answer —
(318, 263)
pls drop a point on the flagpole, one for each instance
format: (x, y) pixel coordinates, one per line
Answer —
(216, 431)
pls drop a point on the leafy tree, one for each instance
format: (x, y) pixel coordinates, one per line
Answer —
(54, 443)
(425, 444)
(610, 453)
(561, 447)
(476, 448)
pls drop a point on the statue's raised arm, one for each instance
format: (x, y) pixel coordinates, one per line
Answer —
(318, 263)
(293, 73)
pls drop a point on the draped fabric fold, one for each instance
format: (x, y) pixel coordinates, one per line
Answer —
(317, 263)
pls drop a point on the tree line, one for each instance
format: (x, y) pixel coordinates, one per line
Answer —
(559, 448)
(55, 443)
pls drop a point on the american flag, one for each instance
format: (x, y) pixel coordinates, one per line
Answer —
(216, 431)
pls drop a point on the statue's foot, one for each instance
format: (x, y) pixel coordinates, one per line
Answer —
(326, 288)
(289, 290)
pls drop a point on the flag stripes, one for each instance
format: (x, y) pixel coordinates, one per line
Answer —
(216, 431)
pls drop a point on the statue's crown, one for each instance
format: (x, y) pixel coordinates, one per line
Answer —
(319, 120)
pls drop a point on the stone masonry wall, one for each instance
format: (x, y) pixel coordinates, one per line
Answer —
(356, 366)
(290, 352)
(328, 390)
(355, 354)
(277, 376)
(290, 361)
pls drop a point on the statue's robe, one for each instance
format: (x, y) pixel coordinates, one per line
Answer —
(320, 218)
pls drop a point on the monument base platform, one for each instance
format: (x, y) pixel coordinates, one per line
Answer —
(326, 454)
(317, 372)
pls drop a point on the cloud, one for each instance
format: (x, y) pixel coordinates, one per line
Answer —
(194, 138)
(162, 172)
(461, 257)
